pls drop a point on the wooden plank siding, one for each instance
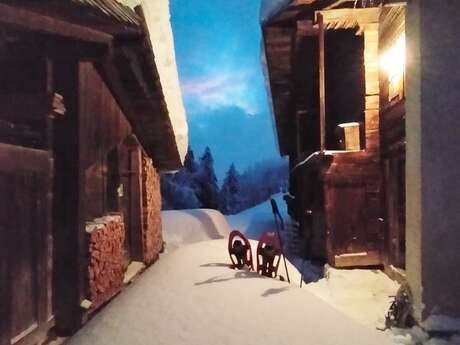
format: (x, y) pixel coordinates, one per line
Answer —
(279, 54)
(26, 176)
(329, 187)
(393, 145)
(64, 131)
(372, 180)
(26, 301)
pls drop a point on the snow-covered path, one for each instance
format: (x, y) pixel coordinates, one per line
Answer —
(191, 297)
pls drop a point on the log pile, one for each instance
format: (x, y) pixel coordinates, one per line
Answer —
(151, 200)
(106, 236)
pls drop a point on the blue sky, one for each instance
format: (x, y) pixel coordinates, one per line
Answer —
(218, 45)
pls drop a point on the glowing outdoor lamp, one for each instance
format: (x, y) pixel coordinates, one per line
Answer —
(393, 62)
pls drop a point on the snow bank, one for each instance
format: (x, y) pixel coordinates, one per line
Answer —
(255, 221)
(418, 336)
(191, 297)
(157, 18)
(190, 226)
(365, 295)
(442, 323)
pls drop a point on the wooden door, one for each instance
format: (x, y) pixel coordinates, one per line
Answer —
(353, 227)
(26, 310)
(395, 178)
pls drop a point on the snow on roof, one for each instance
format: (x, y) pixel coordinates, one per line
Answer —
(157, 17)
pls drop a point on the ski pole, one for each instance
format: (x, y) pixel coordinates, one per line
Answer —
(301, 273)
(275, 212)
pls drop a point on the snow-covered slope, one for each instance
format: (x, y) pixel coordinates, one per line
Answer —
(254, 221)
(190, 226)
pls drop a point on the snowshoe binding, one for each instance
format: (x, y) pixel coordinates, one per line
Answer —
(240, 251)
(268, 254)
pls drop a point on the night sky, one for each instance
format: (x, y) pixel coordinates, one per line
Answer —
(218, 52)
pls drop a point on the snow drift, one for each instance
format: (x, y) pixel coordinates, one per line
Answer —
(190, 226)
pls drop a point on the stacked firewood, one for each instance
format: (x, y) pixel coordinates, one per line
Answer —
(105, 270)
(151, 198)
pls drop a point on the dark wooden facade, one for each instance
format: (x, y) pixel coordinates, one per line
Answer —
(393, 143)
(81, 107)
(324, 71)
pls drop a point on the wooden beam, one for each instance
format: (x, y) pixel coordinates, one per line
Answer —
(322, 83)
(32, 21)
(349, 17)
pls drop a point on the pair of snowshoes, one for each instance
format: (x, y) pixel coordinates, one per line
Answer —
(268, 253)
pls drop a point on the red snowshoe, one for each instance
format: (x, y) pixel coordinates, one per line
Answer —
(268, 254)
(239, 250)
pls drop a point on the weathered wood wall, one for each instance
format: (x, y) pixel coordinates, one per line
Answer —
(26, 177)
(26, 305)
(393, 145)
(103, 129)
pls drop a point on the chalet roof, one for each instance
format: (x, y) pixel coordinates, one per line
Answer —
(136, 60)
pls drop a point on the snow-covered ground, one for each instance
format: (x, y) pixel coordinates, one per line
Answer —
(364, 295)
(191, 296)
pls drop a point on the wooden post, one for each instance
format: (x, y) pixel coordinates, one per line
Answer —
(69, 207)
(322, 83)
(137, 248)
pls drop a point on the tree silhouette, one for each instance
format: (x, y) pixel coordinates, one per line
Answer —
(206, 182)
(230, 201)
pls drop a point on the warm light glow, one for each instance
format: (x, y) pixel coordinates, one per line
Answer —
(393, 62)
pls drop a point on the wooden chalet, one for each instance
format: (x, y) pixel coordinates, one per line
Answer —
(85, 126)
(339, 117)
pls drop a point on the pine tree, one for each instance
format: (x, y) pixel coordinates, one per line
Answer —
(206, 182)
(230, 201)
(184, 176)
(190, 165)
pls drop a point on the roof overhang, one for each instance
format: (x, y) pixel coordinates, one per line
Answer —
(125, 57)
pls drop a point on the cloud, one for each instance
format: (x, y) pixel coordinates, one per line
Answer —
(220, 90)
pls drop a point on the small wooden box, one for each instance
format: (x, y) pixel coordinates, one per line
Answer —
(349, 136)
